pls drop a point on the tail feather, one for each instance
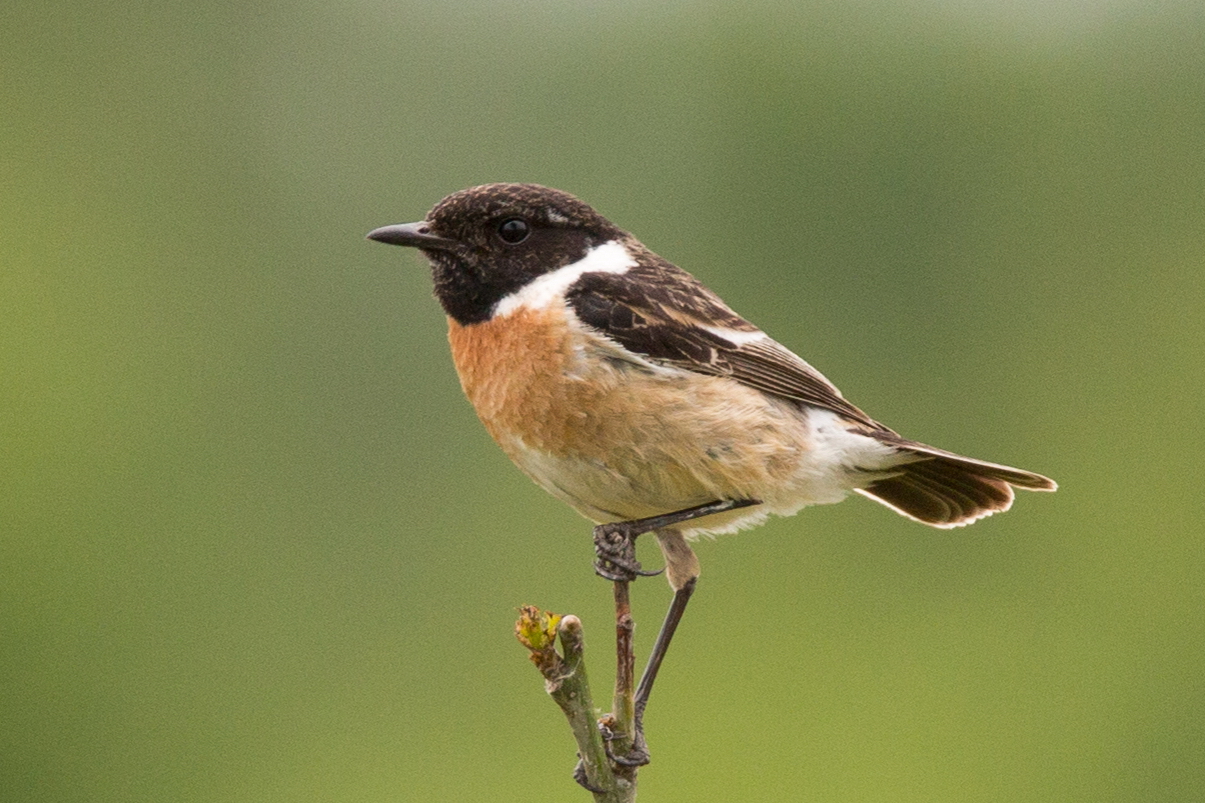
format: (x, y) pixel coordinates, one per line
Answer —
(943, 489)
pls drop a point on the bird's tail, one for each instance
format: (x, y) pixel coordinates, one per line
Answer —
(943, 489)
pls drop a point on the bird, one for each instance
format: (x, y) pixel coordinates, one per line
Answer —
(626, 388)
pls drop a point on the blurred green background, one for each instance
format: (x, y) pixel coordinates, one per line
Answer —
(256, 547)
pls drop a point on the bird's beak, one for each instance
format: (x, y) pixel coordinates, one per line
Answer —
(414, 235)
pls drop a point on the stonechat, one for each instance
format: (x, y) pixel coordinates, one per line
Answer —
(627, 389)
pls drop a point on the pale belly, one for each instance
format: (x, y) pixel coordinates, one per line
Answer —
(700, 452)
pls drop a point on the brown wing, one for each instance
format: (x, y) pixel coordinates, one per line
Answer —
(662, 313)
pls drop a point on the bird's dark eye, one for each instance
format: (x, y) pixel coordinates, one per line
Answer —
(513, 230)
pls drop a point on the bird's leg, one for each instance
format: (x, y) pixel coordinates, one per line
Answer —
(638, 755)
(615, 543)
(615, 546)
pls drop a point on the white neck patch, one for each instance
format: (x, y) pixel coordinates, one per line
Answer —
(610, 257)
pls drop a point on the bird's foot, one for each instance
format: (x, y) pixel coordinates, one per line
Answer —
(637, 754)
(615, 553)
(579, 775)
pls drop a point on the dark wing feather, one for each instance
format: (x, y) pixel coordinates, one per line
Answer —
(663, 314)
(768, 365)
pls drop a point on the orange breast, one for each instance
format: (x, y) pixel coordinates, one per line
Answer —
(513, 369)
(620, 440)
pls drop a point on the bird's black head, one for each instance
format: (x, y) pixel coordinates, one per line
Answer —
(486, 242)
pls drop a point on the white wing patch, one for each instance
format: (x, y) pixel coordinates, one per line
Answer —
(610, 257)
(737, 337)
